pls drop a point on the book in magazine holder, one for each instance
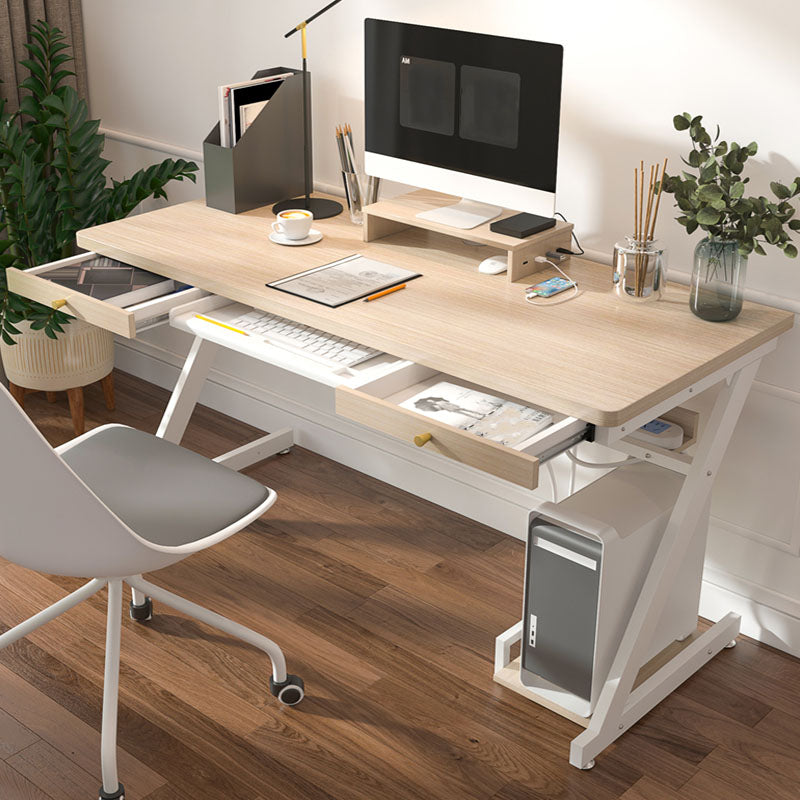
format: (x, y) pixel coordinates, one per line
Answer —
(266, 164)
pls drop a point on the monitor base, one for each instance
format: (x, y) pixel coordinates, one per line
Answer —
(320, 207)
(464, 214)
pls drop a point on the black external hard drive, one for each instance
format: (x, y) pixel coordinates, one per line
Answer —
(522, 225)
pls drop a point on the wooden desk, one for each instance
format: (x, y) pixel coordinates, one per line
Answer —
(594, 357)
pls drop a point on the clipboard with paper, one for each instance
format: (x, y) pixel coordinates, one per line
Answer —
(344, 280)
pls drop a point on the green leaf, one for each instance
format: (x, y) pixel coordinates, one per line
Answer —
(708, 174)
(759, 249)
(695, 158)
(794, 224)
(709, 191)
(708, 216)
(737, 190)
(790, 250)
(779, 190)
(681, 122)
(692, 225)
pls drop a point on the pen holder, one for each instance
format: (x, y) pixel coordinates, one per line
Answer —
(638, 270)
(353, 190)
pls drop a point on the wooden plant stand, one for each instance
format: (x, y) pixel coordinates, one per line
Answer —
(75, 397)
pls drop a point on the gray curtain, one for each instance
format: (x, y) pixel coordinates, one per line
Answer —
(16, 18)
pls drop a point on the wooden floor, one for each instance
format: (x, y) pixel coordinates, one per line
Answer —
(388, 607)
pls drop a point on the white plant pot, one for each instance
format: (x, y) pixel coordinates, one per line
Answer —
(81, 355)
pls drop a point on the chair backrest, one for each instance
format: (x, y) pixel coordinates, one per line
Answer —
(49, 519)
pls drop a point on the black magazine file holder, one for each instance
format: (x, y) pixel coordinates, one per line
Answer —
(266, 164)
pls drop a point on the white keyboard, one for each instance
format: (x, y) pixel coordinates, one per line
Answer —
(310, 342)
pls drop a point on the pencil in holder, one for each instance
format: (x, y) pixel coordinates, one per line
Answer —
(353, 190)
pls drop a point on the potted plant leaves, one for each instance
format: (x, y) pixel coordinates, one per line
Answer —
(711, 196)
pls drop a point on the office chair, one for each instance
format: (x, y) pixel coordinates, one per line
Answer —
(110, 505)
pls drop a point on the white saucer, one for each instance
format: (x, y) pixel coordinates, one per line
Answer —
(313, 237)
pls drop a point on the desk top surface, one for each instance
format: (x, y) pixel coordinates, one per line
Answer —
(595, 357)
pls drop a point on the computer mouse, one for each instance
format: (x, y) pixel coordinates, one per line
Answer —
(494, 265)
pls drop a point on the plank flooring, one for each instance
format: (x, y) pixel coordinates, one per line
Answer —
(388, 606)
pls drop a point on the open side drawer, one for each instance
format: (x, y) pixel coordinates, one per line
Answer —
(33, 284)
(376, 405)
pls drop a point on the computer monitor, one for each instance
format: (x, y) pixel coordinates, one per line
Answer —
(463, 113)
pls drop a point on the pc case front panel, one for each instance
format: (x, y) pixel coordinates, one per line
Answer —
(560, 609)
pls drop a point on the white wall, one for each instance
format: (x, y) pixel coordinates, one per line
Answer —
(629, 67)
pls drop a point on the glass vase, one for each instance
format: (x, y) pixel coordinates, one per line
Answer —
(717, 280)
(638, 270)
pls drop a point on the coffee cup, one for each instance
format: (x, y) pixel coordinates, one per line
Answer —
(293, 223)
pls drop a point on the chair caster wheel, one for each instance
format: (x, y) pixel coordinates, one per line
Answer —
(290, 692)
(118, 795)
(588, 765)
(142, 613)
(731, 643)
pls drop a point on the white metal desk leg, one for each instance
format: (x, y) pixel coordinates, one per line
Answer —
(187, 390)
(609, 719)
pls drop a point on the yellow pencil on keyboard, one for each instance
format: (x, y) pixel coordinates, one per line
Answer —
(221, 324)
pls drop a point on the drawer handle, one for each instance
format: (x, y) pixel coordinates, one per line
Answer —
(58, 303)
(421, 439)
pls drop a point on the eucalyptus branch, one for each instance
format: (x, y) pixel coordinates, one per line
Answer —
(714, 199)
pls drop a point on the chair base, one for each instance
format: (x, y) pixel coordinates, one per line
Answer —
(289, 689)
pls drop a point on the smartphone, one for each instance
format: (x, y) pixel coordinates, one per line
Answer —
(549, 287)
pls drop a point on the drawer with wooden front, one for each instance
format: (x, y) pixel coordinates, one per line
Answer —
(126, 320)
(377, 405)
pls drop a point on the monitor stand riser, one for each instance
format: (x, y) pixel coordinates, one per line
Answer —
(465, 214)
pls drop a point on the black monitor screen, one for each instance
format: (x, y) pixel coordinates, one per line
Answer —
(469, 102)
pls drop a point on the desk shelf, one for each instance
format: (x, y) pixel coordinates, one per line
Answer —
(392, 216)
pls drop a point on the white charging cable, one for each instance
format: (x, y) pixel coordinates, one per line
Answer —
(532, 301)
(553, 483)
(595, 465)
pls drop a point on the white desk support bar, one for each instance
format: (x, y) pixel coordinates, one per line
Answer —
(184, 398)
(617, 709)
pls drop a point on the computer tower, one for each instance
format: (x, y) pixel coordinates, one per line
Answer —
(587, 559)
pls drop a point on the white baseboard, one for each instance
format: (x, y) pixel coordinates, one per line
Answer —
(767, 616)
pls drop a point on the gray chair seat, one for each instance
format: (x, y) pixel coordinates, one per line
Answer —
(166, 494)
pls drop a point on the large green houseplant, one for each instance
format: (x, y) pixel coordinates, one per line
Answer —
(52, 178)
(712, 198)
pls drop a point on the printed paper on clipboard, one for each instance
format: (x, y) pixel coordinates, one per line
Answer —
(344, 281)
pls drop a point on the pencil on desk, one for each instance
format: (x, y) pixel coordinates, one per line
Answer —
(384, 292)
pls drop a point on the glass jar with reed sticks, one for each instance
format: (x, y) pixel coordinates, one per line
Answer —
(639, 263)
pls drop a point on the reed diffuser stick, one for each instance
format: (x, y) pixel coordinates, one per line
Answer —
(641, 200)
(658, 199)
